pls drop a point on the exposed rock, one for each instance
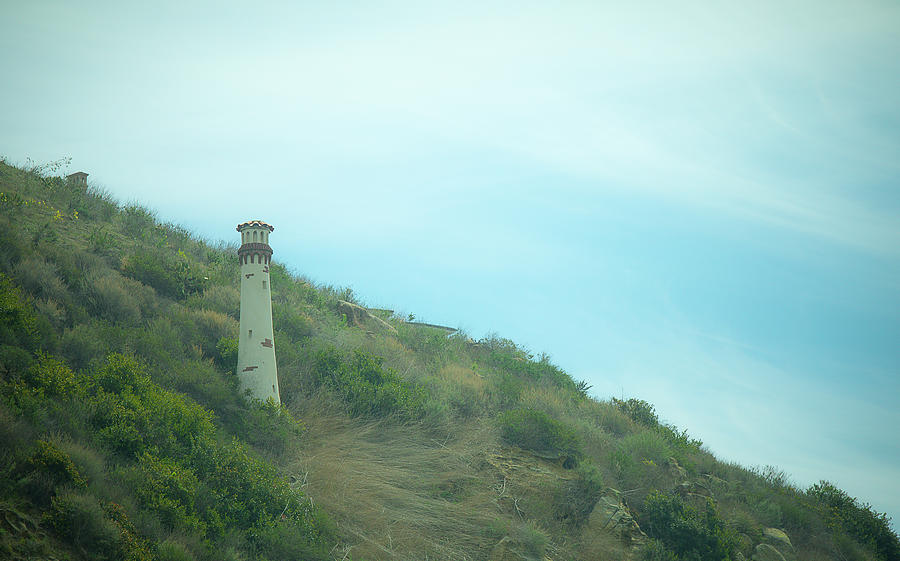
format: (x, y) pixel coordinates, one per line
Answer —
(539, 477)
(432, 326)
(559, 458)
(694, 494)
(780, 541)
(777, 537)
(524, 466)
(686, 488)
(765, 552)
(357, 316)
(676, 470)
(714, 483)
(612, 516)
(744, 543)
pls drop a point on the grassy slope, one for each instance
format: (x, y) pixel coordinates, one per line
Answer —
(408, 442)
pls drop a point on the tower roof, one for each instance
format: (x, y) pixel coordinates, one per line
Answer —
(254, 224)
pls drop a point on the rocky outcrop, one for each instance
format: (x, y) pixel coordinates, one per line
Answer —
(358, 316)
(765, 552)
(677, 472)
(610, 515)
(779, 541)
(777, 538)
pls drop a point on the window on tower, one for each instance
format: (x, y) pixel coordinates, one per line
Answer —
(264, 284)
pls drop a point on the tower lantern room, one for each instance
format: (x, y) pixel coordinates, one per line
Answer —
(256, 367)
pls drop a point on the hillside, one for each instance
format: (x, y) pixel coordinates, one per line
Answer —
(124, 435)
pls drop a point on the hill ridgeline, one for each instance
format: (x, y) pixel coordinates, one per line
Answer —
(124, 435)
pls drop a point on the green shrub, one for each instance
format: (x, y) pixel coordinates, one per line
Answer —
(292, 322)
(137, 220)
(432, 346)
(535, 430)
(47, 234)
(227, 354)
(531, 538)
(367, 386)
(129, 412)
(83, 344)
(184, 477)
(466, 401)
(685, 531)
(768, 512)
(860, 521)
(647, 446)
(88, 461)
(115, 298)
(680, 439)
(44, 472)
(643, 413)
(504, 355)
(18, 324)
(203, 382)
(79, 519)
(270, 427)
(639, 410)
(170, 491)
(506, 389)
(286, 540)
(121, 374)
(135, 547)
(102, 532)
(100, 240)
(171, 550)
(248, 493)
(211, 328)
(41, 278)
(57, 464)
(221, 298)
(49, 309)
(97, 204)
(13, 242)
(175, 276)
(656, 551)
(53, 378)
(160, 344)
(14, 359)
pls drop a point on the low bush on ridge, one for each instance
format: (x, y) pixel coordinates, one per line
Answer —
(535, 430)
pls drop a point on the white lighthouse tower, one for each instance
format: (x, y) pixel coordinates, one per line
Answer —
(256, 344)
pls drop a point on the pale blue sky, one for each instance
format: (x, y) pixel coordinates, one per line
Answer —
(695, 205)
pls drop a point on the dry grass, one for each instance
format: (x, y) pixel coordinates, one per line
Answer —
(455, 374)
(400, 493)
(397, 493)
